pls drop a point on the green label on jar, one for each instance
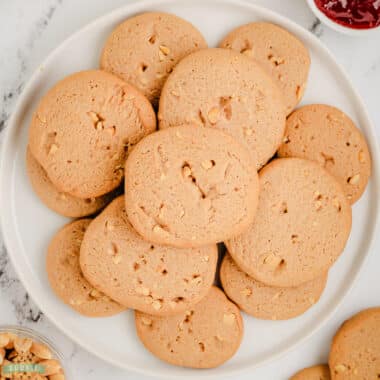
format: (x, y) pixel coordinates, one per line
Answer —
(23, 367)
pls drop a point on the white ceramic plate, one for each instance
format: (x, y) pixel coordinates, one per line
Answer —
(28, 225)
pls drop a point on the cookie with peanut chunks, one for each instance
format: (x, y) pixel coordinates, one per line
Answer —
(62, 203)
(328, 136)
(267, 302)
(317, 372)
(205, 336)
(83, 128)
(66, 278)
(188, 186)
(354, 352)
(153, 278)
(301, 227)
(223, 89)
(143, 50)
(279, 52)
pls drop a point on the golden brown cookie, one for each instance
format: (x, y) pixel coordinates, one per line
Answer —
(301, 226)
(266, 302)
(223, 89)
(188, 186)
(355, 348)
(83, 128)
(317, 372)
(62, 203)
(143, 50)
(66, 278)
(279, 52)
(327, 135)
(205, 336)
(155, 279)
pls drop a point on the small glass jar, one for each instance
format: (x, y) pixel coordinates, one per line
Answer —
(24, 332)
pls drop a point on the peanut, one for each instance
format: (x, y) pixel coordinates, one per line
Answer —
(163, 52)
(22, 345)
(3, 374)
(246, 292)
(53, 148)
(146, 321)
(4, 340)
(40, 350)
(157, 305)
(213, 115)
(361, 157)
(229, 319)
(354, 180)
(51, 367)
(2, 355)
(340, 368)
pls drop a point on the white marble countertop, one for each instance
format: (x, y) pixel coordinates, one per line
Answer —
(29, 30)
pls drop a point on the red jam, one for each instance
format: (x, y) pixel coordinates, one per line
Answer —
(356, 14)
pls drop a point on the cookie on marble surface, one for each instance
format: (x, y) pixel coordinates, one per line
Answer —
(205, 336)
(327, 135)
(279, 52)
(355, 349)
(152, 278)
(317, 372)
(266, 302)
(62, 203)
(84, 127)
(223, 89)
(66, 278)
(301, 227)
(188, 186)
(143, 50)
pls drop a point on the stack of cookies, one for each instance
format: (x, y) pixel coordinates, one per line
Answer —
(232, 163)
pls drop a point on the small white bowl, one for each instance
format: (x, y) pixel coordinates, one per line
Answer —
(24, 332)
(338, 27)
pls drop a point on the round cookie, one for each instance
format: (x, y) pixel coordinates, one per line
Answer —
(266, 302)
(189, 186)
(66, 278)
(223, 89)
(301, 226)
(279, 52)
(355, 348)
(144, 49)
(317, 372)
(152, 278)
(62, 203)
(327, 135)
(83, 128)
(205, 336)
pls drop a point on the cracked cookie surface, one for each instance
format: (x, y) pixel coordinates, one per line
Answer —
(188, 186)
(83, 129)
(328, 136)
(66, 278)
(301, 227)
(205, 336)
(155, 279)
(143, 50)
(279, 52)
(223, 89)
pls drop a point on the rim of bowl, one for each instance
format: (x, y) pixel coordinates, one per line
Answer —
(338, 27)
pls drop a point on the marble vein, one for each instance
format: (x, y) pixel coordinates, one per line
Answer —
(316, 28)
